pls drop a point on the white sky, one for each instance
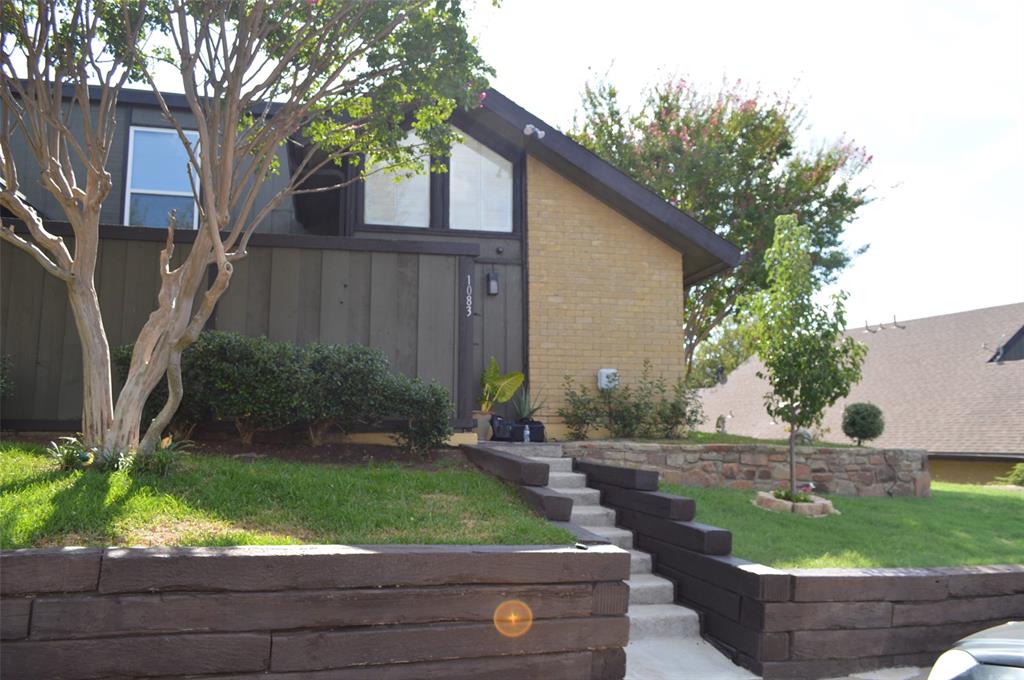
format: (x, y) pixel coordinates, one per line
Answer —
(935, 91)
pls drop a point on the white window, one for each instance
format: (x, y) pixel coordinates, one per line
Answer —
(394, 199)
(481, 188)
(158, 180)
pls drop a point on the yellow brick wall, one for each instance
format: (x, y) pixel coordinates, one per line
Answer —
(604, 292)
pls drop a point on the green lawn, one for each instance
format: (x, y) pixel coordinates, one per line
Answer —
(212, 500)
(959, 525)
(721, 438)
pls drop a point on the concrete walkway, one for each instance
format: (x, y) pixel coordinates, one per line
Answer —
(679, 659)
(901, 673)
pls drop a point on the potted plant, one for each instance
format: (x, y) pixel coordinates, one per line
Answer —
(495, 388)
(526, 408)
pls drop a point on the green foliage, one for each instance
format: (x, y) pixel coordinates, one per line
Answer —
(346, 388)
(792, 496)
(6, 382)
(733, 160)
(650, 409)
(426, 411)
(862, 422)
(496, 388)
(728, 346)
(678, 413)
(527, 405)
(162, 460)
(262, 385)
(1016, 475)
(581, 412)
(70, 453)
(808, 361)
(254, 382)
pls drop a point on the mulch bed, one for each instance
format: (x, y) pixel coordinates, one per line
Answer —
(293, 449)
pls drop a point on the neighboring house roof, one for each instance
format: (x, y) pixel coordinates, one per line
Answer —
(933, 380)
(707, 253)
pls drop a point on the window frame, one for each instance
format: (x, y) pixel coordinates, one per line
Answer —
(153, 192)
(440, 194)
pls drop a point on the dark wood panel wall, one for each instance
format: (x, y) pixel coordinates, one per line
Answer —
(406, 300)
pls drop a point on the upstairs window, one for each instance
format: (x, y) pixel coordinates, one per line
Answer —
(158, 179)
(391, 199)
(481, 188)
(476, 193)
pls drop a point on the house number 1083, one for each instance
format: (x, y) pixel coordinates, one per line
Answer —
(469, 295)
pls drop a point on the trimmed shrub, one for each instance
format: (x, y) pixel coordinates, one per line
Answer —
(426, 412)
(346, 387)
(863, 421)
(262, 385)
(254, 382)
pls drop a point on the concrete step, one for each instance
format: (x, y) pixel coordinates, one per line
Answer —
(566, 480)
(639, 562)
(620, 537)
(582, 497)
(555, 464)
(662, 620)
(650, 589)
(592, 516)
(670, 658)
(544, 450)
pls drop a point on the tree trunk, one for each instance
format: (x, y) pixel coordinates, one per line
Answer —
(97, 387)
(792, 459)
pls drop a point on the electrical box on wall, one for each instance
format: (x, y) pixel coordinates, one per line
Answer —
(607, 378)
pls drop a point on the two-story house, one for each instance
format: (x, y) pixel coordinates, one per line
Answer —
(530, 249)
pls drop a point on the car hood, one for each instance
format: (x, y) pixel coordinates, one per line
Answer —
(1002, 645)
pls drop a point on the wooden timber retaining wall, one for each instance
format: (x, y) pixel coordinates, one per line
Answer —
(804, 623)
(395, 612)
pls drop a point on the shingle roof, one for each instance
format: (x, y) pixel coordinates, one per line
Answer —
(933, 381)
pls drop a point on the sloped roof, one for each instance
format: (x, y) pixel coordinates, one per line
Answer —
(933, 381)
(706, 252)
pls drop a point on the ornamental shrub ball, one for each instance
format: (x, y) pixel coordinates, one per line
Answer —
(863, 421)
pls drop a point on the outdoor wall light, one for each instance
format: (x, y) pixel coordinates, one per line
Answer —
(492, 283)
(531, 129)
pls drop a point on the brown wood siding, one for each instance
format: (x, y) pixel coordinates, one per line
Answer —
(405, 303)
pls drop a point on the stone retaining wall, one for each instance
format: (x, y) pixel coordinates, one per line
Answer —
(842, 471)
(369, 612)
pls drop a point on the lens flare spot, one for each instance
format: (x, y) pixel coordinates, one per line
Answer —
(513, 618)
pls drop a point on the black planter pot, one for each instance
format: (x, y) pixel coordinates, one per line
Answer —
(501, 429)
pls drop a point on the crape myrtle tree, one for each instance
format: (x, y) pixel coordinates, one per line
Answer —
(732, 161)
(808, 361)
(328, 81)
